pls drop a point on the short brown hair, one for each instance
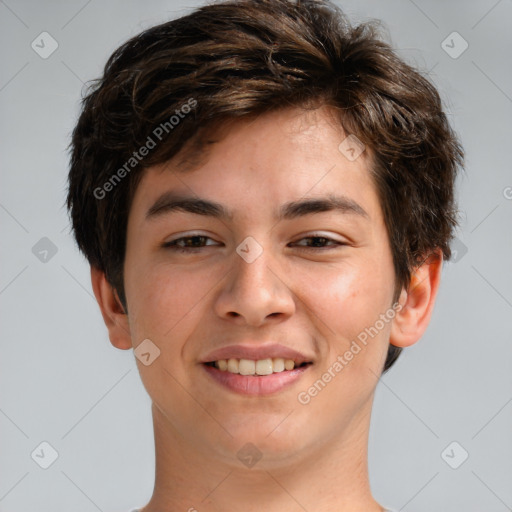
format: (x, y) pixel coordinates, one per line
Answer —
(238, 58)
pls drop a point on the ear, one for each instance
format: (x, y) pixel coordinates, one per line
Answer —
(112, 311)
(417, 302)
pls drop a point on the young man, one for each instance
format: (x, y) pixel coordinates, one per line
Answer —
(265, 195)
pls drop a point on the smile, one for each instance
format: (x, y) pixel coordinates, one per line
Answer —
(251, 367)
(256, 377)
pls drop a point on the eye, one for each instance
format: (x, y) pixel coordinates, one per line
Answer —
(320, 241)
(175, 245)
(197, 243)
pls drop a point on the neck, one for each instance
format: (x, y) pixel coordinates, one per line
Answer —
(331, 477)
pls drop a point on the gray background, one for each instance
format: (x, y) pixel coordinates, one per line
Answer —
(62, 382)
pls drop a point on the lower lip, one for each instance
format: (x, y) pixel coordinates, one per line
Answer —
(256, 385)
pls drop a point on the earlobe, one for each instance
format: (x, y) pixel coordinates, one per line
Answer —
(417, 302)
(112, 310)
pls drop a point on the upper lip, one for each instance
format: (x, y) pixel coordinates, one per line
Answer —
(256, 352)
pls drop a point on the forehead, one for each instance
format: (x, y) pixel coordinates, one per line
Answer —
(274, 158)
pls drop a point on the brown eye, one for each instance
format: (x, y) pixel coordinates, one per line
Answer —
(195, 245)
(319, 242)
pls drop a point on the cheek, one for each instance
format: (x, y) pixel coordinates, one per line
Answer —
(161, 297)
(356, 343)
(158, 294)
(350, 297)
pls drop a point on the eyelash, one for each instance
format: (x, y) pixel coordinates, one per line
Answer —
(172, 245)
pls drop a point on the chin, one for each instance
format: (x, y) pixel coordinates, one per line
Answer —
(272, 444)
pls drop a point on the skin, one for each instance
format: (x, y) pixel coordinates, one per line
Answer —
(317, 301)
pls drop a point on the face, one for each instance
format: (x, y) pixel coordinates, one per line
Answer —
(271, 280)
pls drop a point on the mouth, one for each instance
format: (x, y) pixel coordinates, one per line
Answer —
(260, 377)
(259, 367)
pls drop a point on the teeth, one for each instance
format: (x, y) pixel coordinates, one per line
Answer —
(251, 367)
(288, 364)
(278, 365)
(246, 367)
(233, 365)
(264, 367)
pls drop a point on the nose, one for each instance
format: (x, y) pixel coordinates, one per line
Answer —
(253, 292)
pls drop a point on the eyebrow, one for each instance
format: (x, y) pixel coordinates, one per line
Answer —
(170, 202)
